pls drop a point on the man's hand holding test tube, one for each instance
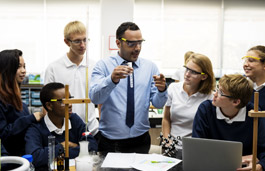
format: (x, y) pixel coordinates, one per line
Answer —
(121, 72)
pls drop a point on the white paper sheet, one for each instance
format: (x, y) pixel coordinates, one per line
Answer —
(118, 160)
(154, 162)
(139, 161)
(72, 162)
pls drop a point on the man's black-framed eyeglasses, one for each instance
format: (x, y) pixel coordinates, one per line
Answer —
(193, 72)
(78, 41)
(131, 43)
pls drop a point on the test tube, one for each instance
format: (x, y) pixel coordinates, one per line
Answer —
(131, 75)
(51, 152)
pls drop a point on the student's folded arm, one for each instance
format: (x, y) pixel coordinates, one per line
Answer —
(18, 126)
(93, 146)
(35, 147)
(74, 152)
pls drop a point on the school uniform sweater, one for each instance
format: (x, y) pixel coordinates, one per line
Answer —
(13, 126)
(261, 98)
(37, 140)
(206, 125)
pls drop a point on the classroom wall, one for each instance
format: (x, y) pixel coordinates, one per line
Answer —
(112, 15)
(221, 29)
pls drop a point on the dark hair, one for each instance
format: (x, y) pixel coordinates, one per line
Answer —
(125, 26)
(47, 92)
(9, 89)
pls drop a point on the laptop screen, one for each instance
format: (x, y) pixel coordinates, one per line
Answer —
(208, 154)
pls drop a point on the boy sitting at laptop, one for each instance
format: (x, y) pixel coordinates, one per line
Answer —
(53, 124)
(226, 118)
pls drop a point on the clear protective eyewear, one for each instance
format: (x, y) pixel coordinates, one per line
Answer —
(252, 59)
(60, 100)
(220, 93)
(193, 72)
(131, 43)
(78, 41)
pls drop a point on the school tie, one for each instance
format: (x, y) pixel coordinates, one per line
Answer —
(130, 101)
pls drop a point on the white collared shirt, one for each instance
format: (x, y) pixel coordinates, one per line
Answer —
(183, 108)
(67, 72)
(240, 117)
(52, 127)
(257, 88)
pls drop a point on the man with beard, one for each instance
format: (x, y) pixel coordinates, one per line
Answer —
(125, 85)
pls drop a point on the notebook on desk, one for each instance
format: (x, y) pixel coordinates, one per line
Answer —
(207, 154)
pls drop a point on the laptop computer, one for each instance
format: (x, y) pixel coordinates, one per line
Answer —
(207, 154)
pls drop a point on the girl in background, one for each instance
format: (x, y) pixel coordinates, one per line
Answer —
(14, 115)
(254, 67)
(185, 97)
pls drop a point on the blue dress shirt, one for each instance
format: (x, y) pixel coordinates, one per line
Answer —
(113, 97)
